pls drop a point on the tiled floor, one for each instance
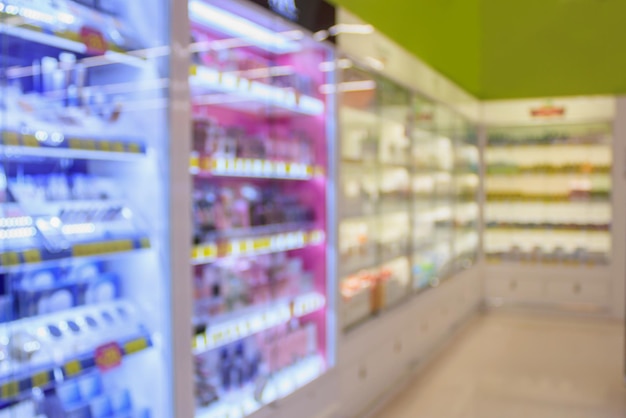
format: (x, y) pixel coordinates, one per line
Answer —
(510, 366)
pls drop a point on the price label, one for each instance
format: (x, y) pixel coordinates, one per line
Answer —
(75, 143)
(72, 368)
(118, 147)
(134, 148)
(10, 138)
(136, 346)
(32, 256)
(88, 144)
(30, 141)
(93, 40)
(9, 259)
(108, 356)
(104, 146)
(41, 379)
(10, 390)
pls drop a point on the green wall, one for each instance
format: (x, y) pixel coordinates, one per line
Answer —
(511, 48)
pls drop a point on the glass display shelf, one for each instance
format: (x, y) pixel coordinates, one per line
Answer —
(375, 200)
(262, 131)
(83, 209)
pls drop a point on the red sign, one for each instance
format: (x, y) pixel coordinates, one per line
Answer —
(93, 40)
(548, 111)
(108, 356)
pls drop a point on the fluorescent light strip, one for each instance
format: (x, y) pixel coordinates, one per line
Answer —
(228, 23)
(255, 91)
(86, 228)
(17, 233)
(16, 222)
(348, 86)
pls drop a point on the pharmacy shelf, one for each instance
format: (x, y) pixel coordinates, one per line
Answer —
(42, 145)
(246, 247)
(252, 168)
(34, 256)
(255, 320)
(278, 386)
(46, 377)
(73, 42)
(205, 82)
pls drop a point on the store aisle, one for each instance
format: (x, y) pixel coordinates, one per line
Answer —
(510, 366)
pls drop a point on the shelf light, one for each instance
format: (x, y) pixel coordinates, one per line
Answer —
(17, 233)
(351, 29)
(232, 25)
(243, 90)
(86, 228)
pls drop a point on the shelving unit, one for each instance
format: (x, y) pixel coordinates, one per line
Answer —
(408, 201)
(375, 204)
(262, 141)
(549, 204)
(84, 227)
(549, 227)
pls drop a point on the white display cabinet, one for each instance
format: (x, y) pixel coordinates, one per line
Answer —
(549, 231)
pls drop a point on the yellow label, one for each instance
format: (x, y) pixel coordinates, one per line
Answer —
(145, 243)
(194, 162)
(41, 379)
(10, 259)
(75, 143)
(117, 147)
(195, 253)
(10, 138)
(134, 148)
(9, 390)
(82, 250)
(88, 144)
(135, 346)
(72, 368)
(193, 70)
(104, 146)
(32, 256)
(30, 141)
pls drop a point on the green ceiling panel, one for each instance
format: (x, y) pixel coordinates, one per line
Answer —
(431, 29)
(511, 48)
(553, 47)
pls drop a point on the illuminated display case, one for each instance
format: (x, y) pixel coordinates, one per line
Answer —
(466, 196)
(445, 185)
(374, 195)
(549, 194)
(263, 128)
(83, 200)
(408, 193)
